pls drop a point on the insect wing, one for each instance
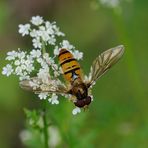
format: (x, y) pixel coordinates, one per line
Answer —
(103, 62)
(36, 85)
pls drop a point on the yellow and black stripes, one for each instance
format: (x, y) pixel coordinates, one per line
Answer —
(70, 65)
(67, 61)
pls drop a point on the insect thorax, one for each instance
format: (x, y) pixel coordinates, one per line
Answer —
(79, 89)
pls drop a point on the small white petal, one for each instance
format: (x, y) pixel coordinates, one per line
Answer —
(37, 20)
(37, 43)
(56, 51)
(33, 84)
(11, 55)
(18, 70)
(76, 111)
(67, 45)
(49, 27)
(54, 99)
(34, 33)
(24, 29)
(78, 55)
(17, 62)
(7, 70)
(44, 75)
(21, 55)
(43, 95)
(24, 77)
(35, 53)
(29, 67)
(44, 35)
(23, 67)
(57, 31)
(51, 40)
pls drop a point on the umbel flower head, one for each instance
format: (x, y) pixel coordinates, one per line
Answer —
(41, 61)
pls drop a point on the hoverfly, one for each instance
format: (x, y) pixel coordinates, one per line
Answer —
(78, 86)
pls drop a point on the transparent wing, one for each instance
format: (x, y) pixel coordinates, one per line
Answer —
(103, 62)
(38, 86)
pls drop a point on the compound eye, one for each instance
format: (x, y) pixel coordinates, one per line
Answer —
(79, 103)
(88, 100)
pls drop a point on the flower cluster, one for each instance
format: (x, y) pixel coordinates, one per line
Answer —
(43, 31)
(41, 61)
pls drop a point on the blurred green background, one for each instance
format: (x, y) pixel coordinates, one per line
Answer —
(118, 116)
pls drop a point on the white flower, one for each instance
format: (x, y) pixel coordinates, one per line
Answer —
(7, 70)
(49, 28)
(43, 95)
(44, 75)
(17, 62)
(34, 33)
(51, 40)
(42, 28)
(43, 63)
(76, 111)
(35, 53)
(37, 63)
(44, 35)
(54, 99)
(34, 84)
(23, 66)
(18, 70)
(67, 45)
(22, 61)
(57, 32)
(78, 55)
(24, 77)
(29, 67)
(40, 60)
(29, 59)
(37, 43)
(56, 51)
(37, 20)
(21, 55)
(11, 55)
(24, 29)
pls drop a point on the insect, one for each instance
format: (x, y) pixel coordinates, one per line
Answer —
(77, 86)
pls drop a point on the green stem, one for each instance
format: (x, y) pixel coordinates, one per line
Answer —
(43, 47)
(45, 130)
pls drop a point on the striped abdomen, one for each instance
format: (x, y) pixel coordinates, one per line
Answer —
(70, 66)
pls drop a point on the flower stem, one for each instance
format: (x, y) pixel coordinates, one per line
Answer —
(45, 130)
(43, 47)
